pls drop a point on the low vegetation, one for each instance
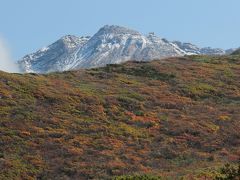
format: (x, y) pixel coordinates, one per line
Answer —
(229, 172)
(173, 118)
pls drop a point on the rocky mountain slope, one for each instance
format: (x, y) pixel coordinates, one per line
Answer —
(55, 57)
(176, 117)
(110, 45)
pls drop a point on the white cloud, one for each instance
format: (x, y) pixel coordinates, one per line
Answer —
(6, 62)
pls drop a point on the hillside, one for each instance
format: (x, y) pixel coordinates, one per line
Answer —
(178, 117)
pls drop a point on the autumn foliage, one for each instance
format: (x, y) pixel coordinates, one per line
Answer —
(177, 117)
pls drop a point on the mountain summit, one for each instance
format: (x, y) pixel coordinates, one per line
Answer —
(110, 45)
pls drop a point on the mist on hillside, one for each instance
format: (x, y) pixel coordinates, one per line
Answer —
(6, 62)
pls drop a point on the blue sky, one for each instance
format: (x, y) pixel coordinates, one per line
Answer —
(28, 25)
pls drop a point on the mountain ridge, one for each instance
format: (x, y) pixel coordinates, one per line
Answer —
(110, 45)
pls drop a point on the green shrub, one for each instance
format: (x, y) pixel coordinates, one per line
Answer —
(229, 172)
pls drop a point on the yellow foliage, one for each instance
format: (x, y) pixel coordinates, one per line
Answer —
(224, 118)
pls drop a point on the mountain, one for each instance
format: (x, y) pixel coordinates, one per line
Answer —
(55, 57)
(189, 48)
(110, 45)
(236, 52)
(173, 117)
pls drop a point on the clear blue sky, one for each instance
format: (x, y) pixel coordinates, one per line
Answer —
(28, 25)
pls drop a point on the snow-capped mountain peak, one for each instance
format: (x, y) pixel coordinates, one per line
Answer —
(113, 29)
(53, 57)
(110, 45)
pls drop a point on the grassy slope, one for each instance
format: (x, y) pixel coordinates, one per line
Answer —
(175, 117)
